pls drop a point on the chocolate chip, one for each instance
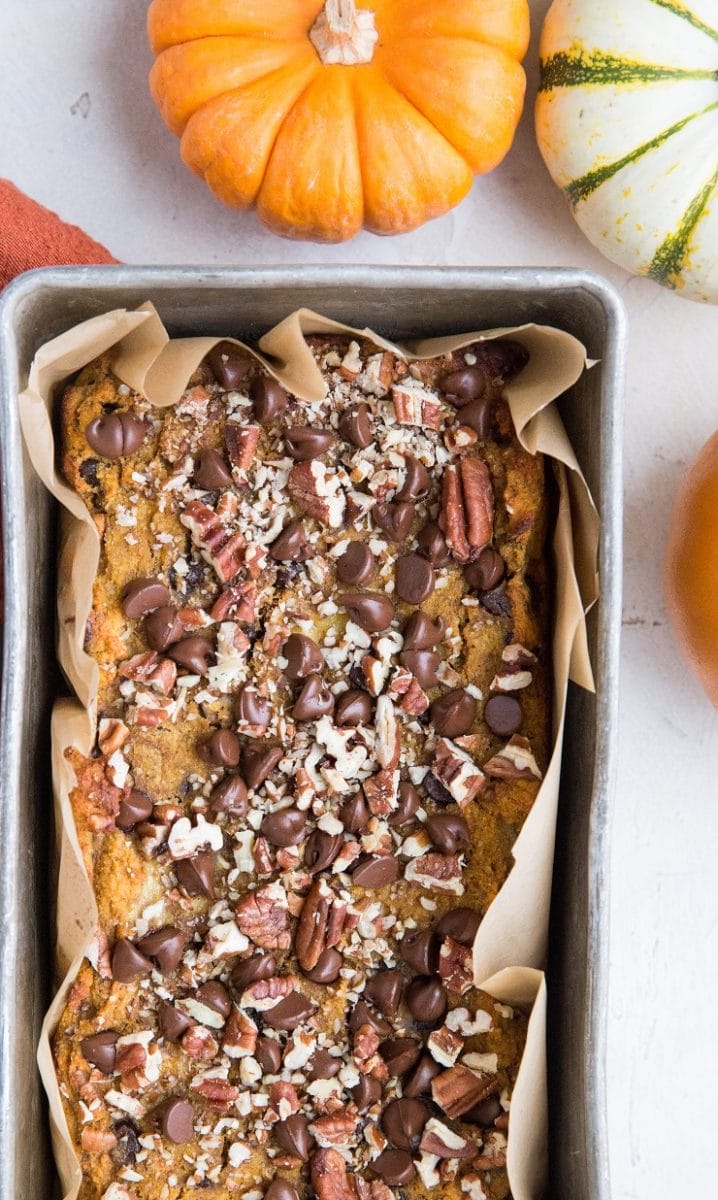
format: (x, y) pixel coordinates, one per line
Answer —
(477, 415)
(303, 656)
(497, 602)
(292, 545)
(321, 850)
(423, 665)
(295, 1009)
(251, 970)
(486, 572)
(393, 518)
(252, 709)
(415, 579)
(426, 999)
(355, 566)
(315, 700)
(135, 808)
(327, 967)
(432, 545)
(88, 472)
(355, 426)
(405, 811)
(371, 611)
(463, 385)
(384, 990)
(448, 832)
(375, 871)
(323, 1065)
(281, 1189)
(165, 946)
(420, 951)
(99, 1050)
(284, 827)
(453, 713)
(366, 1093)
(211, 472)
(173, 1023)
(503, 715)
(395, 1168)
(116, 435)
(421, 633)
(269, 399)
(222, 748)
(293, 1136)
(194, 652)
(196, 875)
(400, 1054)
(128, 1141)
(416, 483)
(128, 963)
(229, 796)
(214, 995)
(352, 708)
(258, 762)
(303, 443)
(175, 1118)
(484, 1113)
(354, 813)
(418, 1081)
(163, 627)
(403, 1123)
(142, 595)
(362, 1014)
(268, 1054)
(229, 364)
(434, 788)
(459, 924)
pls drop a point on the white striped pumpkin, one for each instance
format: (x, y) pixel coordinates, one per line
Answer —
(627, 122)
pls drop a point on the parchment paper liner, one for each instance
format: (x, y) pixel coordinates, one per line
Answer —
(514, 930)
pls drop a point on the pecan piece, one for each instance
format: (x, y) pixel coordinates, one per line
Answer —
(438, 1139)
(515, 761)
(457, 771)
(455, 966)
(198, 1043)
(329, 1176)
(440, 872)
(381, 791)
(241, 442)
(336, 1129)
(321, 924)
(240, 1035)
(459, 1089)
(263, 916)
(219, 1093)
(316, 492)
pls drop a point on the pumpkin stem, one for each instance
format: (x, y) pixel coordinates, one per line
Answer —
(343, 33)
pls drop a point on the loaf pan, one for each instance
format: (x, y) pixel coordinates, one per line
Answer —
(398, 302)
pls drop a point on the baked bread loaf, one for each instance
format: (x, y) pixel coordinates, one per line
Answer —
(322, 632)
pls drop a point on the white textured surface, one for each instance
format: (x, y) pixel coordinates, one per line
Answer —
(80, 134)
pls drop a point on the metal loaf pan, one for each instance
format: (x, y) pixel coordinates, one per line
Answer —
(397, 302)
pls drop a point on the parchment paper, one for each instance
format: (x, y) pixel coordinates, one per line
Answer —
(514, 930)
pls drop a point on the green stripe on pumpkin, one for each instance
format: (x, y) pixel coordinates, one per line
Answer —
(579, 69)
(670, 257)
(680, 10)
(579, 189)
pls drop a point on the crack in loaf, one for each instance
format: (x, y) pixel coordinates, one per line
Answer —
(322, 639)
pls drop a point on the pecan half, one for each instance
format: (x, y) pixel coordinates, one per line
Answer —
(337, 1129)
(453, 516)
(198, 1043)
(263, 916)
(459, 1089)
(320, 926)
(478, 502)
(329, 1176)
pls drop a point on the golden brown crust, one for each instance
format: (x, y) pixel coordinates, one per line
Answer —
(153, 735)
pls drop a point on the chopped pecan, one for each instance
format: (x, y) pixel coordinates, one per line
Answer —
(453, 516)
(414, 405)
(283, 1100)
(415, 701)
(438, 1139)
(457, 771)
(149, 668)
(381, 791)
(388, 741)
(263, 915)
(238, 601)
(365, 1044)
(375, 673)
(198, 1043)
(440, 872)
(97, 1141)
(219, 546)
(478, 495)
(460, 438)
(265, 993)
(239, 1039)
(337, 1129)
(130, 1057)
(459, 1089)
(444, 1046)
(111, 735)
(329, 1176)
(241, 442)
(321, 924)
(515, 761)
(262, 856)
(455, 966)
(316, 492)
(219, 1093)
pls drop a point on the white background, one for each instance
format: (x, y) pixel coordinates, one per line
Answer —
(79, 133)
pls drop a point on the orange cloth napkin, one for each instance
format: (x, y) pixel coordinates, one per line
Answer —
(32, 236)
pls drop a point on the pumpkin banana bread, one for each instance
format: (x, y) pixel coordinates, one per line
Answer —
(322, 633)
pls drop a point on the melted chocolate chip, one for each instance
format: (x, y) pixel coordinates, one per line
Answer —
(421, 633)
(355, 426)
(415, 579)
(362, 1014)
(303, 443)
(502, 358)
(196, 875)
(284, 827)
(258, 762)
(268, 1054)
(400, 1054)
(269, 399)
(127, 962)
(463, 385)
(497, 602)
(405, 811)
(354, 813)
(418, 1081)
(453, 713)
(99, 1050)
(375, 871)
(214, 995)
(292, 545)
(423, 665)
(229, 364)
(503, 715)
(366, 1093)
(163, 627)
(460, 924)
(315, 700)
(229, 796)
(352, 708)
(384, 990)
(416, 483)
(420, 951)
(134, 809)
(403, 1123)
(327, 967)
(142, 595)
(321, 850)
(165, 946)
(426, 999)
(393, 518)
(395, 1168)
(173, 1023)
(303, 657)
(293, 1136)
(371, 611)
(323, 1065)
(194, 652)
(477, 415)
(448, 832)
(431, 543)
(116, 435)
(486, 572)
(484, 1113)
(211, 472)
(222, 748)
(251, 970)
(295, 1009)
(355, 566)
(175, 1118)
(252, 709)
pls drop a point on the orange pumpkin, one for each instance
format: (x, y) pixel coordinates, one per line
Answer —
(330, 115)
